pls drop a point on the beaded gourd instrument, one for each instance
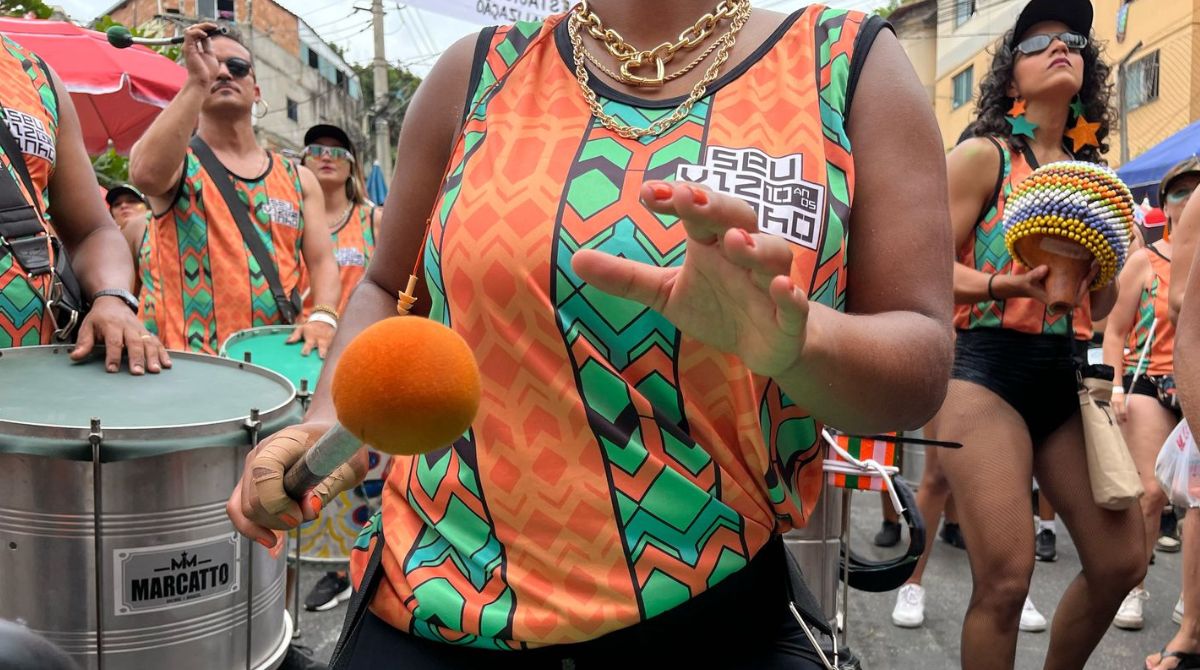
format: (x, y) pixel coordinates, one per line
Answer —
(1066, 215)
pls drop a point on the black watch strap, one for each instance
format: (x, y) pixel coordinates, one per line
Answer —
(125, 296)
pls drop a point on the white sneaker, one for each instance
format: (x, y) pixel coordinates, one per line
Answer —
(1177, 615)
(1129, 617)
(910, 606)
(1032, 620)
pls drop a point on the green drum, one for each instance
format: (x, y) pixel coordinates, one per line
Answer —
(267, 346)
(114, 542)
(330, 538)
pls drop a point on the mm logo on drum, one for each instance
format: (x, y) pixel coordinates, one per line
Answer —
(169, 576)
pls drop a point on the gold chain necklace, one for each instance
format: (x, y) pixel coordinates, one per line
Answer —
(670, 77)
(725, 42)
(634, 59)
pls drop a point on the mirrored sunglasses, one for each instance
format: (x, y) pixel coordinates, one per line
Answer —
(1039, 43)
(1179, 194)
(321, 151)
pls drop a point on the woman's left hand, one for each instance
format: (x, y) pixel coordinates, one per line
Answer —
(733, 290)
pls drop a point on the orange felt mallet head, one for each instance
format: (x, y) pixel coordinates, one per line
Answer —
(406, 385)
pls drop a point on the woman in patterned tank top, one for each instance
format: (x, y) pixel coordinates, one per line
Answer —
(1012, 401)
(664, 320)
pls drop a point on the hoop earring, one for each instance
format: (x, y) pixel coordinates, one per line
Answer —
(1017, 120)
(266, 109)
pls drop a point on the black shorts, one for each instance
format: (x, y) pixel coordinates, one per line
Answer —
(743, 622)
(1034, 374)
(1145, 385)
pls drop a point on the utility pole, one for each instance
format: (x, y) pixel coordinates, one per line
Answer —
(1123, 102)
(383, 148)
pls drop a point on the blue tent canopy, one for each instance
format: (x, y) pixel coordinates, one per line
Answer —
(376, 185)
(1143, 173)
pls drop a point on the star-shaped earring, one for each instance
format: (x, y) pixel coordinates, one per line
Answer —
(1084, 134)
(1022, 126)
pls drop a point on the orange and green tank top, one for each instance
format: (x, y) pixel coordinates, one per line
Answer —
(353, 244)
(200, 283)
(985, 251)
(1152, 313)
(616, 468)
(29, 105)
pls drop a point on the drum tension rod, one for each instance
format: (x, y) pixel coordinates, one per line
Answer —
(95, 438)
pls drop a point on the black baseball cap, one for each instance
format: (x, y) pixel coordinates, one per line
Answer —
(333, 132)
(117, 191)
(1076, 14)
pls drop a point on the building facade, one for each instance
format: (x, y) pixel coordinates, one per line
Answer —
(302, 79)
(1158, 39)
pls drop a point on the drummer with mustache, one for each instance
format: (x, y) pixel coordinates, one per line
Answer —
(53, 175)
(202, 280)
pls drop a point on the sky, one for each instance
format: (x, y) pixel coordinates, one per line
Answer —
(414, 37)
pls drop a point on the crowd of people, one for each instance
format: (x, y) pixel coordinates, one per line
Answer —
(672, 276)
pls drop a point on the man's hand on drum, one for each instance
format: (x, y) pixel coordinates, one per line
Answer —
(316, 335)
(733, 290)
(111, 324)
(259, 507)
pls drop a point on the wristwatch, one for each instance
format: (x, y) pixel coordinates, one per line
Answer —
(125, 296)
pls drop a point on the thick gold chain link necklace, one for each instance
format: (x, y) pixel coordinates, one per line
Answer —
(632, 59)
(578, 20)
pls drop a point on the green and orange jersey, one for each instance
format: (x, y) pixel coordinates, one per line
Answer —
(29, 105)
(616, 467)
(1152, 321)
(200, 283)
(985, 251)
(353, 244)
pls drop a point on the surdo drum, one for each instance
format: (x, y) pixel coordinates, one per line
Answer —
(149, 463)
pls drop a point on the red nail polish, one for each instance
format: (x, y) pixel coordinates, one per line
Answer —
(699, 196)
(264, 543)
(661, 191)
(747, 238)
(315, 502)
(289, 520)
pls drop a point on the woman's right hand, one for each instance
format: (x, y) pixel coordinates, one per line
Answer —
(202, 65)
(1118, 406)
(259, 506)
(1030, 284)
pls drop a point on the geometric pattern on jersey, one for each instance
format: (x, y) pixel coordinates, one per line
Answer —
(30, 109)
(1152, 311)
(986, 252)
(200, 283)
(616, 468)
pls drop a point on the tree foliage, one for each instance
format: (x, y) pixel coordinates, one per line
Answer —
(401, 86)
(26, 8)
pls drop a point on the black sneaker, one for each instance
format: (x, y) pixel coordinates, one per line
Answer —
(952, 535)
(328, 592)
(888, 535)
(1044, 549)
(300, 658)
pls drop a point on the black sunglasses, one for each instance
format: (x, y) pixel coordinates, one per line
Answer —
(238, 67)
(1039, 43)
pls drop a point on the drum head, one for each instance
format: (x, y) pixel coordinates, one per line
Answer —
(47, 396)
(268, 347)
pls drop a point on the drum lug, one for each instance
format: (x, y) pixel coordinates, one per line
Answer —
(96, 436)
(253, 424)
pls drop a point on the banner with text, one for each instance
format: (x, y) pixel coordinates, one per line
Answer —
(494, 12)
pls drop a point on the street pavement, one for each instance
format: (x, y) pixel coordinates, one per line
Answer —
(882, 646)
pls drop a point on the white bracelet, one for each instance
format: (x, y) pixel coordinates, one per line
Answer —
(322, 317)
(1118, 389)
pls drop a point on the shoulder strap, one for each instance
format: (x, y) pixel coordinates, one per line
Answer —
(1158, 253)
(21, 229)
(987, 206)
(289, 306)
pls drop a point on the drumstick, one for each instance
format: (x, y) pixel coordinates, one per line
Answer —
(405, 385)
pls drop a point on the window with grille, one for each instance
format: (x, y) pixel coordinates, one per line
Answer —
(964, 84)
(293, 109)
(1141, 81)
